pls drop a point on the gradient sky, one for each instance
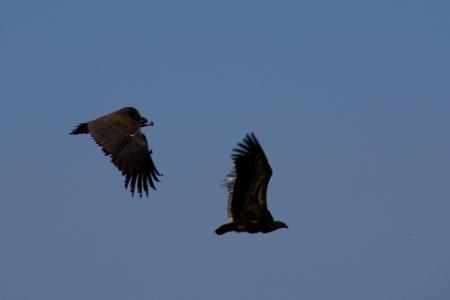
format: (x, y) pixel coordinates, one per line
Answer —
(349, 99)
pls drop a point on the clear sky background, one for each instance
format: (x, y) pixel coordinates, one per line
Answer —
(349, 99)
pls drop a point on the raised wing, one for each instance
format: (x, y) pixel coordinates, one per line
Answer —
(249, 189)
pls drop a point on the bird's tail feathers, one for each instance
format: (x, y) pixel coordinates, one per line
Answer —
(80, 129)
(226, 228)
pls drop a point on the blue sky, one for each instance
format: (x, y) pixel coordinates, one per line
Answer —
(349, 99)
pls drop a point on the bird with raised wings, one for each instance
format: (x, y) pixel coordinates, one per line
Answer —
(247, 191)
(120, 137)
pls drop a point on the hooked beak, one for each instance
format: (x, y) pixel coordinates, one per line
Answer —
(144, 122)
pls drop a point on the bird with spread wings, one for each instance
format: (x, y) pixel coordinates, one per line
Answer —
(247, 191)
(120, 137)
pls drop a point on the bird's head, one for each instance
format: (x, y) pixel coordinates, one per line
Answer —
(133, 114)
(279, 224)
(144, 122)
(272, 226)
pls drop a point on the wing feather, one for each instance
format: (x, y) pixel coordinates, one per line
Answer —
(135, 160)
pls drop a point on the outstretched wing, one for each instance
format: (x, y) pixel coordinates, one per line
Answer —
(128, 148)
(252, 175)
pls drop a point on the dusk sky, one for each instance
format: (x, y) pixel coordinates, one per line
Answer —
(349, 99)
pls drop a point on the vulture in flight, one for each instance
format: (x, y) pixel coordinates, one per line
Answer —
(247, 191)
(119, 135)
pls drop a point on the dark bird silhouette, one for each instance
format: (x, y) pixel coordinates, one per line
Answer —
(247, 191)
(120, 137)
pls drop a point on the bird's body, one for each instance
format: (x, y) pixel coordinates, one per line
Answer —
(247, 191)
(120, 137)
